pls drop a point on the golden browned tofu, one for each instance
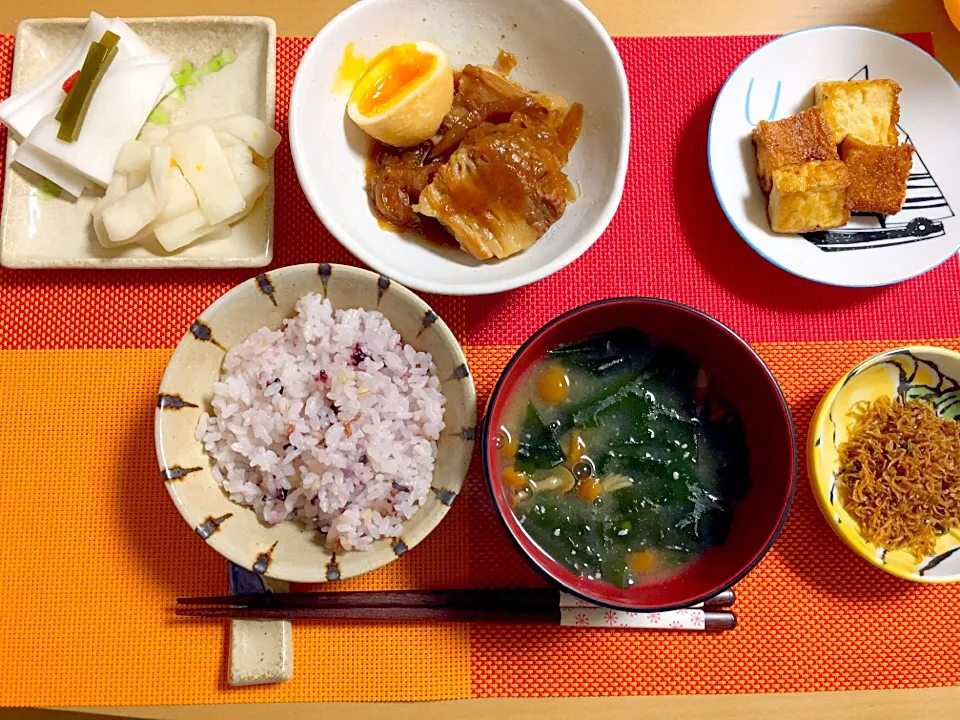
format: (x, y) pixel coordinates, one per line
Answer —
(797, 139)
(867, 109)
(878, 175)
(810, 196)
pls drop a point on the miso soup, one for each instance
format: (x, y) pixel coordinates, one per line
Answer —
(619, 460)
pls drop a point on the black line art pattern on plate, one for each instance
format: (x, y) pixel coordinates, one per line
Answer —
(921, 218)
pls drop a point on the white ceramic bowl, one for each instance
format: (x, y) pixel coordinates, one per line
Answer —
(288, 550)
(777, 81)
(561, 47)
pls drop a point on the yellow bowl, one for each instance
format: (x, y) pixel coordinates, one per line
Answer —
(906, 372)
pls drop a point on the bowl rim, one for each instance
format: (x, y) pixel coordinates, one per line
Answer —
(643, 300)
(327, 215)
(441, 510)
(816, 471)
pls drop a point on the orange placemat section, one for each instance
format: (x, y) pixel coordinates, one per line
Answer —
(98, 553)
(813, 616)
(94, 553)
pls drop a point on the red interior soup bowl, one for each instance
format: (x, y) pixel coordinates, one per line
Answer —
(738, 378)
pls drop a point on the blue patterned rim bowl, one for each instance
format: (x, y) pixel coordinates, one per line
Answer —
(907, 373)
(288, 550)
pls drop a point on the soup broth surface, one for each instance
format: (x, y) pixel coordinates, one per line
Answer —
(618, 459)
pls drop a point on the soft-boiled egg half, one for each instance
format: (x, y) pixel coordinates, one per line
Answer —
(403, 94)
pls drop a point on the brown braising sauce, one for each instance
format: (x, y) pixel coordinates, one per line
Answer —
(508, 149)
(389, 192)
(506, 61)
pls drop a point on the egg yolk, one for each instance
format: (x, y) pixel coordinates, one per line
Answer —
(351, 68)
(389, 76)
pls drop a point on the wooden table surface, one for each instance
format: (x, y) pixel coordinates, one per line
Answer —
(621, 17)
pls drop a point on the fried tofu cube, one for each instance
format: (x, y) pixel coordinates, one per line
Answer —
(793, 140)
(809, 196)
(878, 175)
(867, 109)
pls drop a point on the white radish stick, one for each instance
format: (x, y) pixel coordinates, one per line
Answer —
(115, 190)
(126, 218)
(203, 164)
(134, 157)
(254, 132)
(182, 197)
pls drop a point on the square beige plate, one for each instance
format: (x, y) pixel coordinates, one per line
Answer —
(38, 230)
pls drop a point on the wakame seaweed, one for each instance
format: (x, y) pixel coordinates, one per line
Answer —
(604, 354)
(538, 448)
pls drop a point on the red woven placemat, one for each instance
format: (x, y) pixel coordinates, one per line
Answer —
(94, 552)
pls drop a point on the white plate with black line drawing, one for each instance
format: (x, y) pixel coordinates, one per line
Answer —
(777, 81)
(289, 550)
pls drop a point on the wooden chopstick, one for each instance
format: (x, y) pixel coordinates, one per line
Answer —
(501, 598)
(712, 619)
(537, 597)
(503, 605)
